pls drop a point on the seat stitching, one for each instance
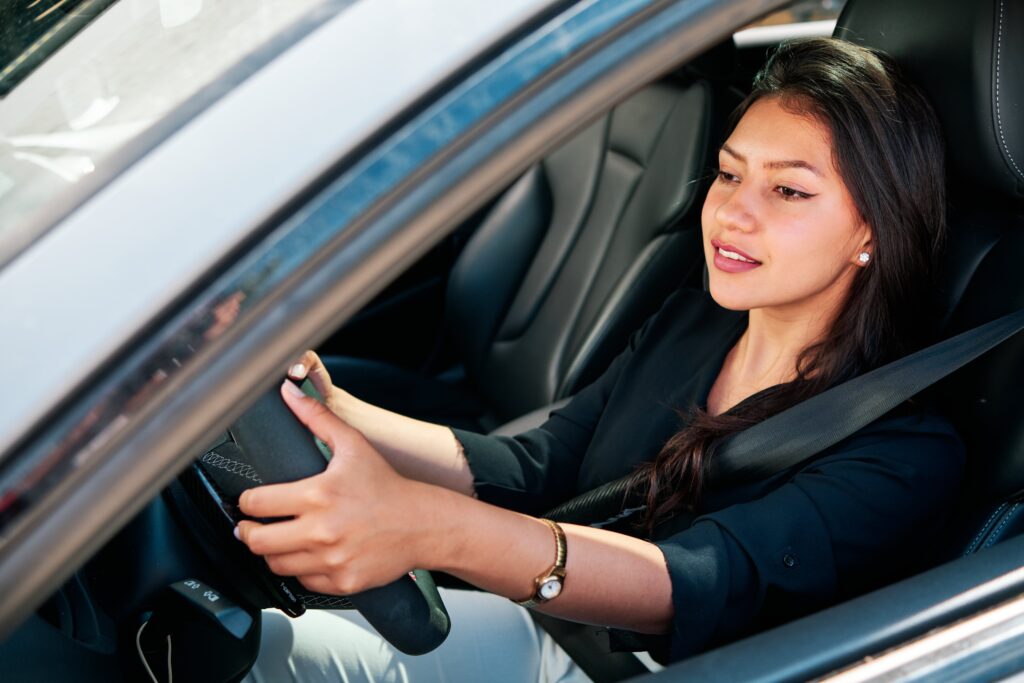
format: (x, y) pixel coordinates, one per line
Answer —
(974, 543)
(999, 117)
(995, 534)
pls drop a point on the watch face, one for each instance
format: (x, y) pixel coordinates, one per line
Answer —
(550, 588)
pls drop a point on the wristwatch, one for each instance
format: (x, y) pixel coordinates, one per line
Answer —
(548, 585)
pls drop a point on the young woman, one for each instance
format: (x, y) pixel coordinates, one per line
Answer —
(820, 233)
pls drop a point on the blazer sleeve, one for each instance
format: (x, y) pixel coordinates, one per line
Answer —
(538, 469)
(846, 519)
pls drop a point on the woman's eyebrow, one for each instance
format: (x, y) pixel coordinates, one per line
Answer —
(787, 163)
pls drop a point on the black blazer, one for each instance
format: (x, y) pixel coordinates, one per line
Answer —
(757, 554)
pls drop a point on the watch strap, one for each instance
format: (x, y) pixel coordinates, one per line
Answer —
(554, 573)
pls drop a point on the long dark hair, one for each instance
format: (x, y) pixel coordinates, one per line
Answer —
(888, 149)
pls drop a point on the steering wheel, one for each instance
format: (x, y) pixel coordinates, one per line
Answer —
(268, 445)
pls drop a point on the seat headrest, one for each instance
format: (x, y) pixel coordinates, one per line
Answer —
(718, 64)
(968, 57)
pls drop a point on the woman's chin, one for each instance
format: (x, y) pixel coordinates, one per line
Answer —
(732, 298)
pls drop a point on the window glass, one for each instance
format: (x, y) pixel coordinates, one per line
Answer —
(804, 19)
(81, 95)
(806, 10)
(30, 30)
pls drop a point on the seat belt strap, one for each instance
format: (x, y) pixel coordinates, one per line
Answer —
(778, 443)
(811, 426)
(808, 428)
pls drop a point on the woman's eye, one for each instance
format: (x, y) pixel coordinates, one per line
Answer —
(790, 193)
(726, 177)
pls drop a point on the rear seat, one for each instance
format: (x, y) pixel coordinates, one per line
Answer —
(969, 59)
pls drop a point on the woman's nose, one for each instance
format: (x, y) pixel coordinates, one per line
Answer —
(737, 210)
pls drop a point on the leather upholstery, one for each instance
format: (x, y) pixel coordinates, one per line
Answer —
(1005, 520)
(539, 305)
(984, 399)
(968, 58)
(572, 258)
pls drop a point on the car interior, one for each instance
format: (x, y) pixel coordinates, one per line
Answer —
(529, 299)
(559, 270)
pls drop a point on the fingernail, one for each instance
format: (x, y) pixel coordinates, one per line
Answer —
(298, 371)
(292, 389)
(238, 534)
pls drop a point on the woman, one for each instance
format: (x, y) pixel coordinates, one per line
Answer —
(820, 234)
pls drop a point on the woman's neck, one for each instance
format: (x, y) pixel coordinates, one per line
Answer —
(767, 352)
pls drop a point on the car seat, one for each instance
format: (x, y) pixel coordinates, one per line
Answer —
(961, 56)
(968, 58)
(571, 259)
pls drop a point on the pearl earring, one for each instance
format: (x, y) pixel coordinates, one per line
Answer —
(864, 257)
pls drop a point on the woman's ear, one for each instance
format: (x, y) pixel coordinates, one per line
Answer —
(866, 251)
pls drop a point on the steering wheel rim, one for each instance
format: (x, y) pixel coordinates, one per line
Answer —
(266, 445)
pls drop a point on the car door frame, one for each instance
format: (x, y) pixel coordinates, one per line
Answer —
(78, 477)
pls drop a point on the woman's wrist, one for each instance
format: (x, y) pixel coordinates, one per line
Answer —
(442, 514)
(492, 548)
(346, 406)
(609, 578)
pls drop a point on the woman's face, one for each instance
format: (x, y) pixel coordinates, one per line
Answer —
(781, 231)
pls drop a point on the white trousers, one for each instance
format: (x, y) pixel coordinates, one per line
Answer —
(491, 640)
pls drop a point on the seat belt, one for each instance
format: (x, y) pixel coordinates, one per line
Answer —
(782, 441)
(801, 431)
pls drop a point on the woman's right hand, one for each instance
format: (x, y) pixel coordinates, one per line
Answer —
(335, 398)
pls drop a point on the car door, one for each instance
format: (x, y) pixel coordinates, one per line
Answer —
(151, 301)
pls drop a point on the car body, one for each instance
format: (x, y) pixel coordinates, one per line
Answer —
(186, 227)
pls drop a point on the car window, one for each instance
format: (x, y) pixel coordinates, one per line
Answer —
(805, 19)
(81, 79)
(30, 31)
(805, 11)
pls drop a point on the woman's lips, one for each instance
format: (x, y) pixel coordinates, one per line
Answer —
(729, 265)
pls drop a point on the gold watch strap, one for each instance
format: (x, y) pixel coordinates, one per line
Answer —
(555, 573)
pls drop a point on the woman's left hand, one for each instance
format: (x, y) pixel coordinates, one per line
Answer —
(357, 525)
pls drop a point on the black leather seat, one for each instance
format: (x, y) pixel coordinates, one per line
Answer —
(959, 53)
(571, 259)
(969, 59)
